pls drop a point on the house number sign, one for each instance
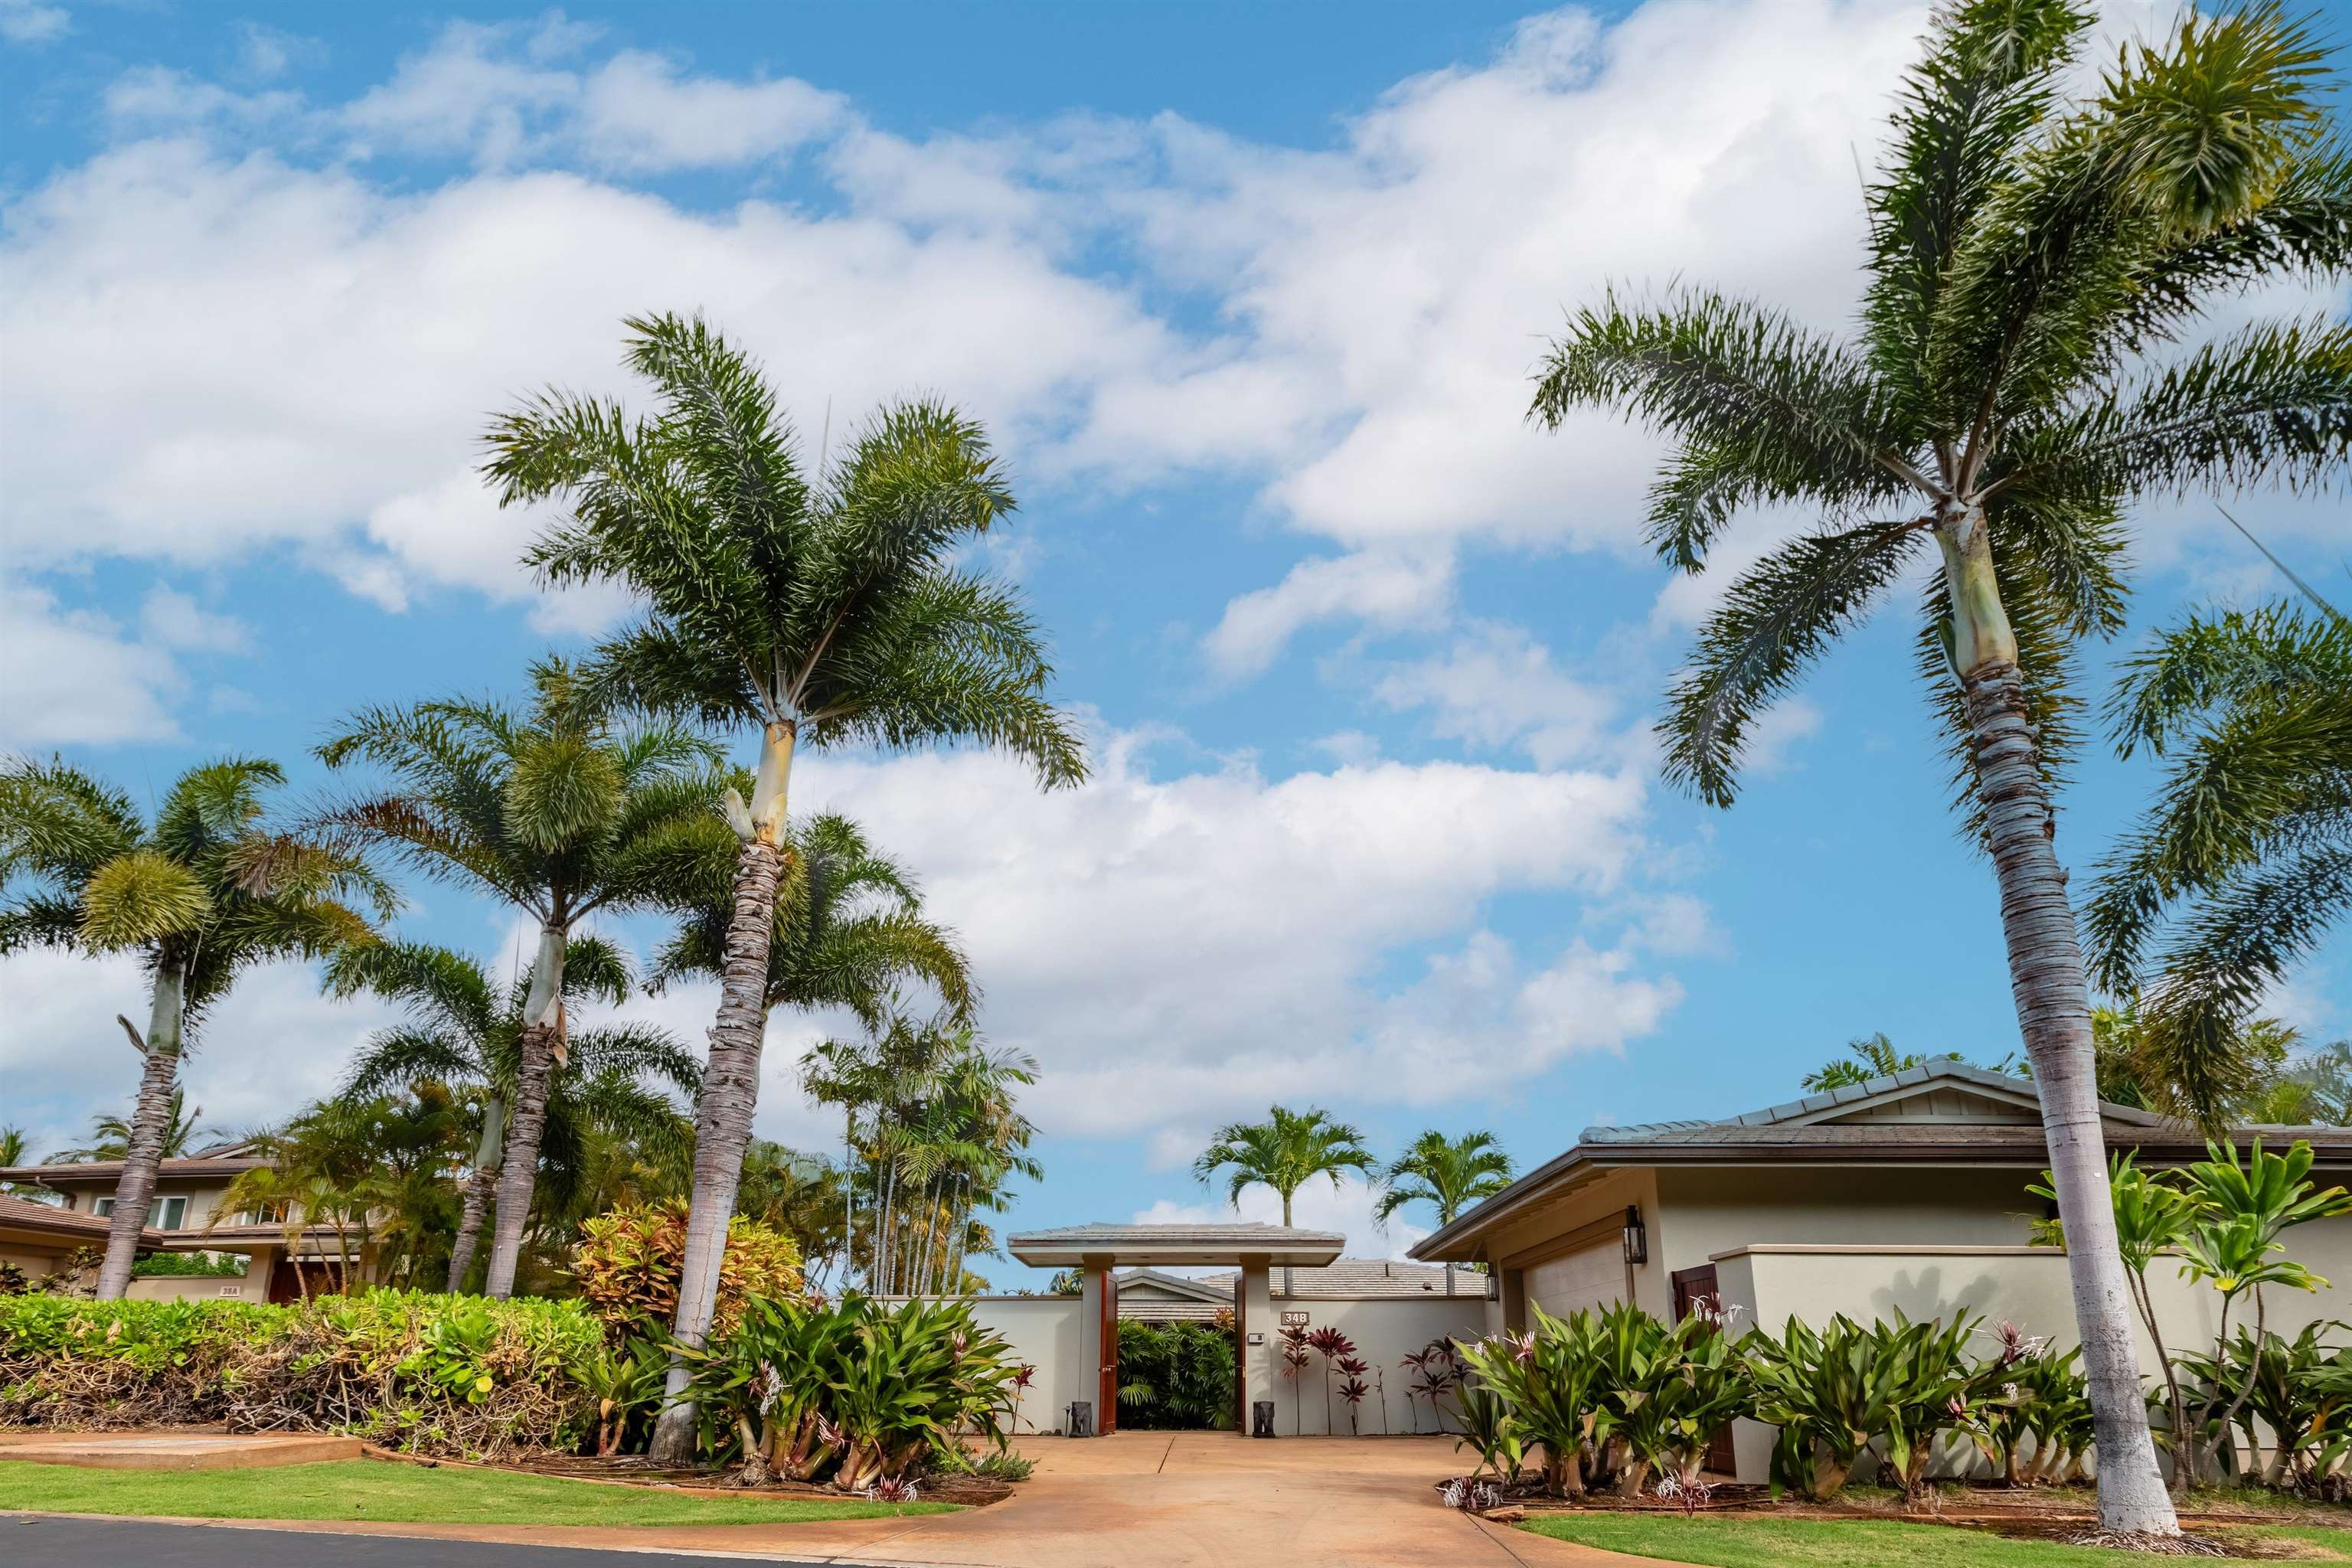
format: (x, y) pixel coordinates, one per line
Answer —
(1294, 1320)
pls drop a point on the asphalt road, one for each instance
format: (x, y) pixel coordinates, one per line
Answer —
(83, 1542)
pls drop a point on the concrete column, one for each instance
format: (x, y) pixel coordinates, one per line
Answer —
(1514, 1303)
(1261, 1361)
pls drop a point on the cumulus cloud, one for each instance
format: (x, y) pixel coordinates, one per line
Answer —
(1175, 947)
(30, 22)
(1498, 688)
(1388, 590)
(271, 1044)
(73, 677)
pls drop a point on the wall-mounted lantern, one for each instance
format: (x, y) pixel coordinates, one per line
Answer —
(1637, 1238)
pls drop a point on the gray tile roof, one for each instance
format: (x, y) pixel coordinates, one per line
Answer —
(1364, 1279)
(1176, 1234)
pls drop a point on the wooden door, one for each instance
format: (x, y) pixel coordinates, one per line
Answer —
(1107, 1400)
(1693, 1288)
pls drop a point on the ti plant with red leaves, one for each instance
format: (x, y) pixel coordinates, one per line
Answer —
(1334, 1347)
(1294, 1365)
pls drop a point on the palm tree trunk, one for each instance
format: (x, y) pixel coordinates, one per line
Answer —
(2045, 963)
(1288, 1287)
(478, 1187)
(134, 1191)
(730, 1085)
(539, 1049)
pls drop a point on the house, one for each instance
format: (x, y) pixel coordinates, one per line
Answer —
(184, 1217)
(1907, 1193)
(1151, 1296)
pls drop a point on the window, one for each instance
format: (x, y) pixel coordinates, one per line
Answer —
(102, 1206)
(170, 1213)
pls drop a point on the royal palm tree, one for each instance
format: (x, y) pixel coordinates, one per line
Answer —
(462, 1032)
(2025, 250)
(557, 809)
(815, 614)
(206, 890)
(2244, 861)
(1285, 1152)
(110, 1135)
(1449, 1174)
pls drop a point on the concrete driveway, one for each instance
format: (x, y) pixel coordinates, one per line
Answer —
(1142, 1500)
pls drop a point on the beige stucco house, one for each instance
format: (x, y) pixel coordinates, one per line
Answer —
(184, 1217)
(1907, 1192)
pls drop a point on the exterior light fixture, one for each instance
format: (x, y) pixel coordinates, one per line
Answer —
(1637, 1238)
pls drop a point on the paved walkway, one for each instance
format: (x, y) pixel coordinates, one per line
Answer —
(1140, 1500)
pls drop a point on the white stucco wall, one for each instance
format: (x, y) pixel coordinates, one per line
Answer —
(1385, 1331)
(1044, 1331)
(2029, 1287)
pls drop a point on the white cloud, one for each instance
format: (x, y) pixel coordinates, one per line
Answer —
(1776, 731)
(30, 22)
(71, 678)
(1388, 590)
(1350, 330)
(1497, 688)
(1346, 1209)
(272, 1044)
(1179, 949)
(171, 619)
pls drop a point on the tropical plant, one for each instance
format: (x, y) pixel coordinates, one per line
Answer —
(328, 1174)
(463, 1033)
(1449, 1174)
(2028, 253)
(2027, 1398)
(1437, 1370)
(624, 1381)
(628, 1263)
(2299, 1393)
(110, 1135)
(207, 889)
(1334, 1347)
(1296, 1358)
(818, 614)
(1174, 1376)
(2234, 1243)
(1285, 1153)
(2244, 862)
(1537, 1388)
(1834, 1391)
(557, 808)
(1868, 1056)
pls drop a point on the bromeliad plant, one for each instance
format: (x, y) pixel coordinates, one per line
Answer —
(1537, 1388)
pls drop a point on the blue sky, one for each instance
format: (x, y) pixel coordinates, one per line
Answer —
(1248, 295)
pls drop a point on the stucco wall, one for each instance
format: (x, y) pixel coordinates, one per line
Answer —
(1044, 1331)
(2029, 1287)
(1705, 1212)
(1606, 1197)
(1385, 1331)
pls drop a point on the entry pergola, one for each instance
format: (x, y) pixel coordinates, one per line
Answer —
(1255, 1250)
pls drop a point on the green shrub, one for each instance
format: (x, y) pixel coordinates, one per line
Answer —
(455, 1374)
(1175, 1376)
(858, 1390)
(1834, 1392)
(191, 1265)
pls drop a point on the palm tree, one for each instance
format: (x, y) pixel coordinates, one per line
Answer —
(463, 1033)
(2024, 251)
(1449, 1174)
(206, 890)
(2244, 862)
(816, 614)
(1285, 1152)
(556, 809)
(110, 1135)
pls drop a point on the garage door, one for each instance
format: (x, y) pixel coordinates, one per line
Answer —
(1590, 1276)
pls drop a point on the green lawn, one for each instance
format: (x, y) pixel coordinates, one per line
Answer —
(385, 1493)
(1765, 1540)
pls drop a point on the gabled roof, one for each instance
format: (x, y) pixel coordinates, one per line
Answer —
(1208, 1290)
(1363, 1279)
(1942, 1112)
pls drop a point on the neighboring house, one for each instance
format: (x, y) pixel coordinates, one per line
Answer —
(1905, 1193)
(1152, 1296)
(182, 1218)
